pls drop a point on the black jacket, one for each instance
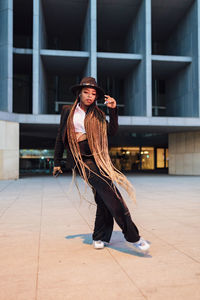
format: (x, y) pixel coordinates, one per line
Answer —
(62, 140)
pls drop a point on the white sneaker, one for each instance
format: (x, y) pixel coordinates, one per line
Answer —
(141, 245)
(98, 244)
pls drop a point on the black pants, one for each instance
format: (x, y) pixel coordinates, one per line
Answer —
(109, 205)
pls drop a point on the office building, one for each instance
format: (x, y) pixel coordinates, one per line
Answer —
(145, 53)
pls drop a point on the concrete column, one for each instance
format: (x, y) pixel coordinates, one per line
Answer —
(36, 57)
(184, 153)
(6, 55)
(93, 38)
(148, 73)
(182, 90)
(198, 52)
(42, 89)
(42, 84)
(85, 40)
(42, 28)
(136, 82)
(9, 150)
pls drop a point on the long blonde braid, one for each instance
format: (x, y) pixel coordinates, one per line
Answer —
(96, 131)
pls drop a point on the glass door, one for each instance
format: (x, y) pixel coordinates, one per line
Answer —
(162, 158)
(160, 163)
(147, 158)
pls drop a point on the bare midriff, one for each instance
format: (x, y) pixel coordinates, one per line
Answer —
(80, 136)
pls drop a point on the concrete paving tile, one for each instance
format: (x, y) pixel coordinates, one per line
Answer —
(24, 220)
(54, 246)
(6, 198)
(78, 267)
(16, 231)
(68, 264)
(161, 243)
(53, 241)
(150, 220)
(192, 221)
(118, 290)
(57, 244)
(54, 202)
(178, 235)
(27, 208)
(66, 229)
(190, 249)
(55, 210)
(5, 183)
(154, 272)
(64, 220)
(11, 189)
(174, 292)
(177, 213)
(17, 212)
(18, 287)
(167, 255)
(18, 265)
(107, 291)
(13, 247)
(165, 266)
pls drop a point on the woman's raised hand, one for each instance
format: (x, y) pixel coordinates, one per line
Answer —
(110, 102)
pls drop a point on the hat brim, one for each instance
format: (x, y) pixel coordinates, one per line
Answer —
(78, 87)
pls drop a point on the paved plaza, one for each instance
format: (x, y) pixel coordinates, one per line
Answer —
(46, 247)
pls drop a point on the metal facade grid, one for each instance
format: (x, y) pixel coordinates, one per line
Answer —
(145, 52)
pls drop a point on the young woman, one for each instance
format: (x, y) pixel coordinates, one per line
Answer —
(83, 132)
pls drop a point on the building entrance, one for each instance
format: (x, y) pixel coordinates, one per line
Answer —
(127, 159)
(139, 158)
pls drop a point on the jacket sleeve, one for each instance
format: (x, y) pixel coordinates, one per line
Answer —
(59, 146)
(112, 125)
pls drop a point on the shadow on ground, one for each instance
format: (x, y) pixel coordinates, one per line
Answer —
(117, 243)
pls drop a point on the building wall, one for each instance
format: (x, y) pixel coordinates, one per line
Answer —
(182, 88)
(184, 153)
(6, 55)
(9, 150)
(63, 48)
(50, 45)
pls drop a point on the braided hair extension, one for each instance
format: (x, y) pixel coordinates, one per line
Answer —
(96, 131)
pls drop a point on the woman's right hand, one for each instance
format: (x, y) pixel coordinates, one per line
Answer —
(57, 169)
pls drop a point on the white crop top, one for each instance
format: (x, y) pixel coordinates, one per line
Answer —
(78, 119)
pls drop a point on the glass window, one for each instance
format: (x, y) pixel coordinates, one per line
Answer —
(147, 158)
(160, 158)
(126, 158)
(167, 159)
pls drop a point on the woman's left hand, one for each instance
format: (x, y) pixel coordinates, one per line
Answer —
(110, 102)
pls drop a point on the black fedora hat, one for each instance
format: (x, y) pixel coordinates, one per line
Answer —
(89, 82)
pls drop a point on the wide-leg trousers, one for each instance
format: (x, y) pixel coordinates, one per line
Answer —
(110, 206)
